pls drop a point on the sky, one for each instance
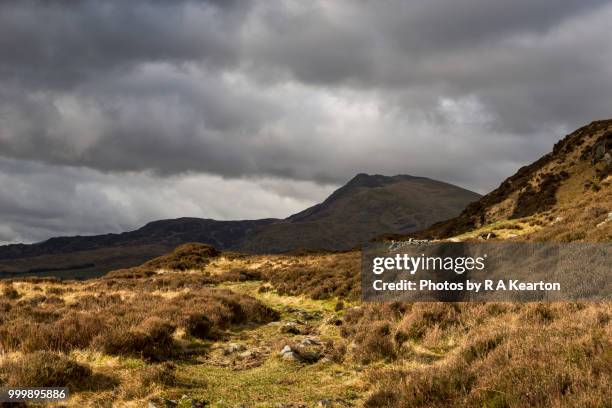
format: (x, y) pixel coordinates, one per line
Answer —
(115, 113)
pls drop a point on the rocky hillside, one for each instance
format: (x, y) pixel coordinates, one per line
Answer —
(365, 207)
(569, 188)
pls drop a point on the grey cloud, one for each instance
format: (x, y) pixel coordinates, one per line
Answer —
(61, 44)
(224, 92)
(38, 201)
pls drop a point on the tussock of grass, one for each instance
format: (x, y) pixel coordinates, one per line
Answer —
(542, 355)
(139, 324)
(324, 277)
(44, 369)
(185, 257)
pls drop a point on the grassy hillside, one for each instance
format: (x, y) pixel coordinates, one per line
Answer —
(200, 327)
(554, 189)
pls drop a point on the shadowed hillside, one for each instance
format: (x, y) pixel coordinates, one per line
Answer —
(365, 207)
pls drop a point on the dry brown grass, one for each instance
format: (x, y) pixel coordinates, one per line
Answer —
(411, 355)
(320, 277)
(137, 324)
(44, 369)
(493, 355)
(185, 257)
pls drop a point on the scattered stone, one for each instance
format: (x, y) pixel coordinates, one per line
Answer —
(609, 219)
(288, 354)
(246, 354)
(233, 348)
(324, 403)
(192, 402)
(291, 356)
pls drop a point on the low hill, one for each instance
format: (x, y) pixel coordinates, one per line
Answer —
(367, 206)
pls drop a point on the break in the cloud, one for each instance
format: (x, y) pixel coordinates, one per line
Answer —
(113, 113)
(42, 201)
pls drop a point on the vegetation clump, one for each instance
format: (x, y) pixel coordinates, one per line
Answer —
(44, 369)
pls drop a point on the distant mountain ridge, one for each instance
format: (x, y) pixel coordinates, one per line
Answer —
(367, 206)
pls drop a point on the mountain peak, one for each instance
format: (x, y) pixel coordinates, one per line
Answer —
(375, 180)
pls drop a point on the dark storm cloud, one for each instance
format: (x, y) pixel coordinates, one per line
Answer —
(465, 91)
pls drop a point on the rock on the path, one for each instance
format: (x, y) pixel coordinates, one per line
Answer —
(246, 354)
(288, 354)
(609, 219)
(193, 402)
(291, 356)
(233, 348)
(324, 403)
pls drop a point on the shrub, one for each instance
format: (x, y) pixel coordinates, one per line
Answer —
(330, 276)
(162, 374)
(480, 347)
(185, 257)
(152, 340)
(375, 343)
(10, 292)
(131, 273)
(423, 388)
(74, 331)
(540, 313)
(197, 325)
(45, 369)
(425, 316)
